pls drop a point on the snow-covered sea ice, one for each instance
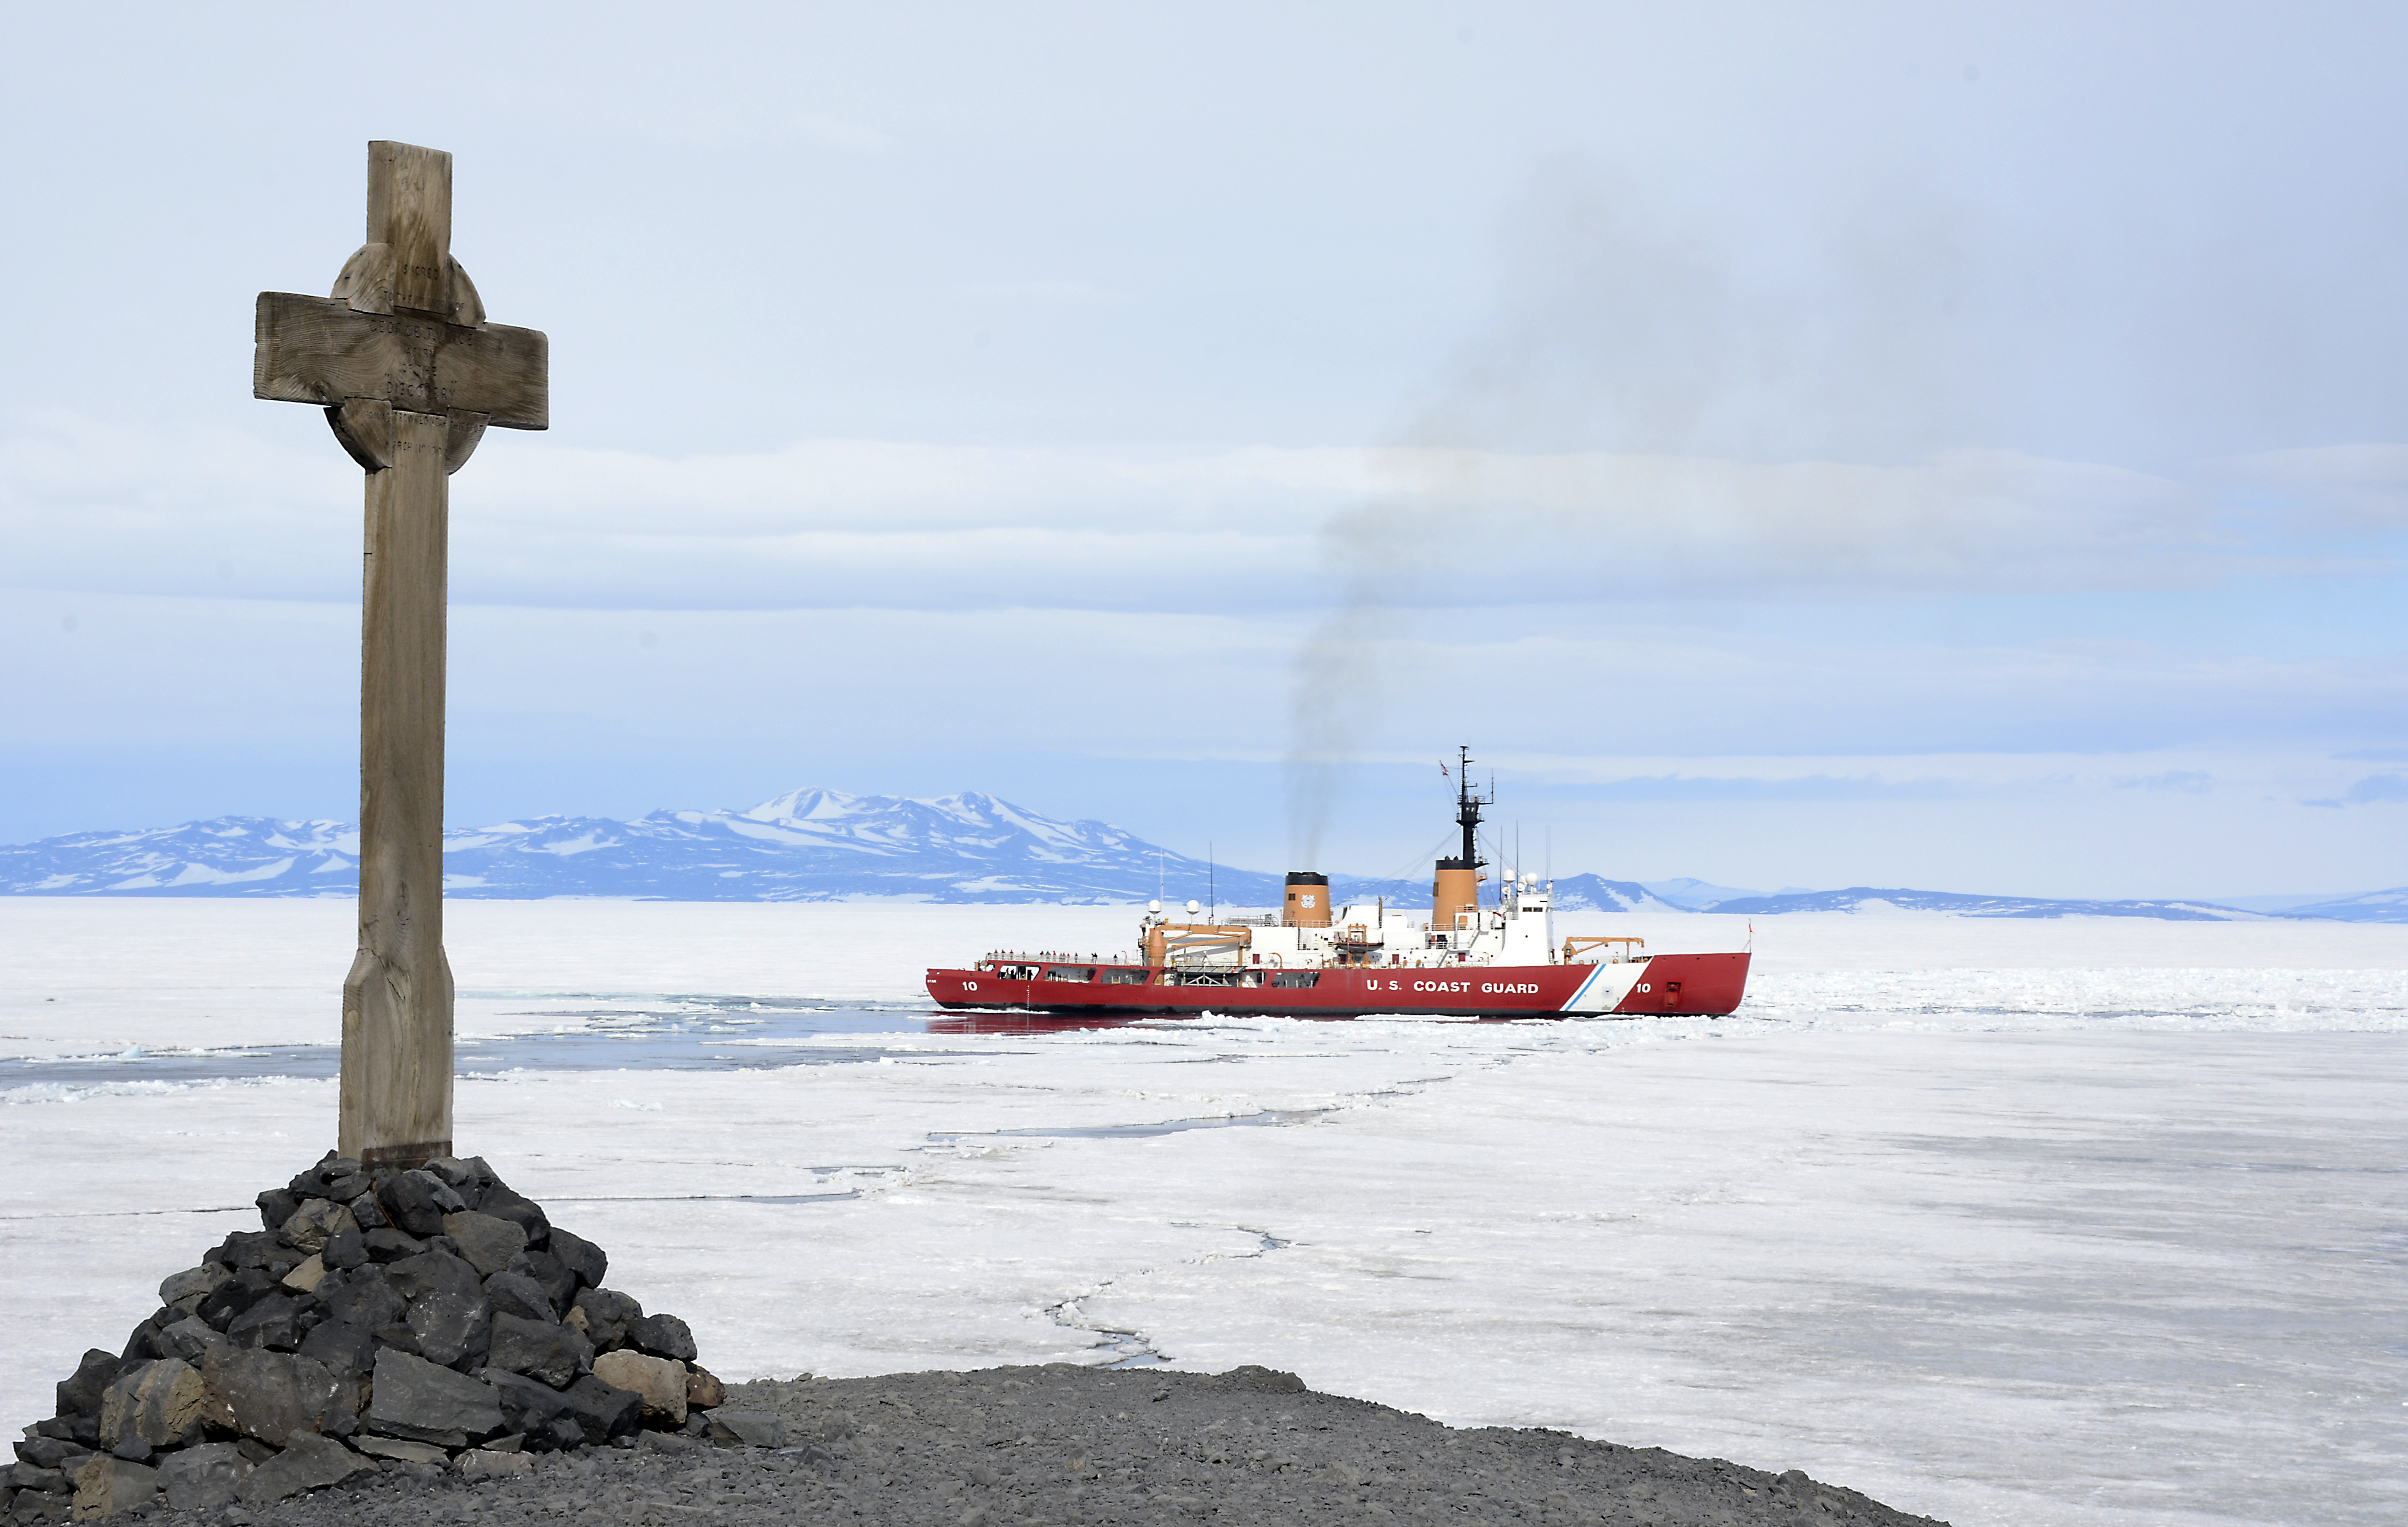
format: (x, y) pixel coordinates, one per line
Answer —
(2079, 1221)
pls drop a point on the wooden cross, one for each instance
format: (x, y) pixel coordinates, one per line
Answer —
(410, 373)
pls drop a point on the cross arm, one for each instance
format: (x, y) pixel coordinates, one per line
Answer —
(317, 349)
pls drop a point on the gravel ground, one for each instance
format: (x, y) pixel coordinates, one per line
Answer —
(1063, 1444)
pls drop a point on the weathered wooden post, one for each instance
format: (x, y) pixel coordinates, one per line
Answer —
(410, 373)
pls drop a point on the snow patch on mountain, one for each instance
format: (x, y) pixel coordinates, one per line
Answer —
(1590, 894)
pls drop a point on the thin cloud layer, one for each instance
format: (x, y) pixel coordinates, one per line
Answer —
(918, 526)
(2375, 789)
(2342, 488)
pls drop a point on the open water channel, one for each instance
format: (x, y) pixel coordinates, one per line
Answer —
(677, 1034)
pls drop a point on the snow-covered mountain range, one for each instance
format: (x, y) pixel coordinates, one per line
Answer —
(825, 844)
(2370, 907)
(2373, 906)
(805, 845)
(1867, 899)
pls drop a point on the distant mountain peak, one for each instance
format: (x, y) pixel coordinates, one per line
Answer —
(799, 804)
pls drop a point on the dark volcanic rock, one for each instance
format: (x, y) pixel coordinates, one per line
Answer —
(515, 1294)
(607, 1315)
(276, 1206)
(558, 1282)
(308, 1463)
(464, 1177)
(388, 1245)
(83, 1430)
(202, 1479)
(452, 1327)
(581, 1256)
(502, 1203)
(397, 1337)
(345, 1249)
(317, 1221)
(487, 1242)
(400, 1449)
(81, 1395)
(254, 1248)
(267, 1395)
(340, 1346)
(184, 1291)
(605, 1410)
(272, 1320)
(44, 1453)
(662, 1335)
(418, 1201)
(142, 1343)
(417, 1400)
(221, 1304)
(368, 1301)
(189, 1338)
(334, 1176)
(544, 1349)
(420, 1274)
(749, 1428)
(537, 1411)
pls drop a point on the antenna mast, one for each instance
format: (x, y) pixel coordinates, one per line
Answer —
(1467, 808)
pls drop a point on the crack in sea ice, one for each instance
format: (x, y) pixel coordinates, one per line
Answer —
(136, 1214)
(1135, 1349)
(1266, 1243)
(1267, 1117)
(1129, 1348)
(709, 1198)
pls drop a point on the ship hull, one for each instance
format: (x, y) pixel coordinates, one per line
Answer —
(1693, 985)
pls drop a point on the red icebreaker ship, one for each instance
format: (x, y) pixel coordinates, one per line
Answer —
(1496, 958)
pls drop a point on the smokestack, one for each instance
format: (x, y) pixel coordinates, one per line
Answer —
(1456, 888)
(1308, 900)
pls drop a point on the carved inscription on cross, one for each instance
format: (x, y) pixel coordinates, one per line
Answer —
(410, 373)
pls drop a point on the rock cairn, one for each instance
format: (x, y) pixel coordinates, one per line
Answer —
(383, 1319)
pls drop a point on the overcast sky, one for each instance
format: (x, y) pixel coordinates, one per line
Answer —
(1956, 447)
